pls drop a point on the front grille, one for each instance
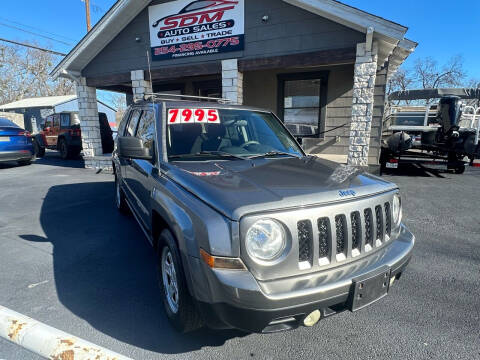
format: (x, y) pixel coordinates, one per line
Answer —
(356, 230)
(324, 237)
(379, 221)
(341, 231)
(388, 220)
(305, 238)
(339, 239)
(367, 213)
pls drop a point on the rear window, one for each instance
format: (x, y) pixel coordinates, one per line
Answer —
(6, 122)
(64, 120)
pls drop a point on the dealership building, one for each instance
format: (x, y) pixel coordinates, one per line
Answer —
(320, 65)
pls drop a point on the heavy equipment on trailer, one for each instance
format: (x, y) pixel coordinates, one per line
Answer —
(444, 134)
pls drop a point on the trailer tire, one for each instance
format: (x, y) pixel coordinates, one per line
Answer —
(459, 169)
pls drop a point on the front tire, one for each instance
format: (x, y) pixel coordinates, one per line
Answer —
(64, 149)
(178, 303)
(459, 170)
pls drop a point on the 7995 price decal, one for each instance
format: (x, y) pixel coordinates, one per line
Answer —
(193, 116)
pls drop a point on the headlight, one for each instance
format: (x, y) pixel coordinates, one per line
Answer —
(397, 209)
(265, 240)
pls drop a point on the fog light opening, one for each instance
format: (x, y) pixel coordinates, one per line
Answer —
(312, 318)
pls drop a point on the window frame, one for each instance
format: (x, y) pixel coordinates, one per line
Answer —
(130, 116)
(322, 114)
(48, 120)
(56, 121)
(154, 133)
(69, 120)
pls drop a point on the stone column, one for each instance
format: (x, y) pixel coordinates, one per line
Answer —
(88, 112)
(362, 107)
(232, 81)
(140, 86)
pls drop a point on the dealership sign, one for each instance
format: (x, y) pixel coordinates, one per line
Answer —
(186, 28)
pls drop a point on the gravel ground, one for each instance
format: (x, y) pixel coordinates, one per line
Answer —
(69, 260)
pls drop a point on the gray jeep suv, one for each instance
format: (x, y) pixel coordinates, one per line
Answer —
(249, 231)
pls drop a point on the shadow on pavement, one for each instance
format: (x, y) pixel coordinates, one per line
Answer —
(53, 158)
(10, 164)
(104, 270)
(414, 170)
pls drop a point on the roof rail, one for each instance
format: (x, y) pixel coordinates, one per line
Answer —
(170, 97)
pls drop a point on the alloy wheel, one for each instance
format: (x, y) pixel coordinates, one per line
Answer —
(169, 277)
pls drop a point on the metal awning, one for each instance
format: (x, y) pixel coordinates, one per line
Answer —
(463, 93)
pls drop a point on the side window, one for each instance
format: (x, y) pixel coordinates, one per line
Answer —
(48, 122)
(146, 129)
(64, 120)
(56, 120)
(123, 123)
(132, 124)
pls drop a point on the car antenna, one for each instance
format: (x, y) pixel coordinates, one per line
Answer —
(151, 82)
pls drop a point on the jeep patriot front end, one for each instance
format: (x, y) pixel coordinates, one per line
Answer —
(250, 232)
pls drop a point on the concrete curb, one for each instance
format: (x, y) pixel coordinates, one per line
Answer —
(49, 342)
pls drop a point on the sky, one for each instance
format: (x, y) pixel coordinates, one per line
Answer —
(443, 28)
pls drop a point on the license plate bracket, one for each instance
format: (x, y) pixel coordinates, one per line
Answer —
(370, 288)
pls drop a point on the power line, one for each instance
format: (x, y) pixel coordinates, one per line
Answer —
(37, 29)
(36, 34)
(33, 47)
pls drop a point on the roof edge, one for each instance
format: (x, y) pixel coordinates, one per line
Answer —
(127, 6)
(352, 17)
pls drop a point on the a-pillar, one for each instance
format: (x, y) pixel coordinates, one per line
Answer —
(232, 81)
(363, 101)
(140, 86)
(89, 124)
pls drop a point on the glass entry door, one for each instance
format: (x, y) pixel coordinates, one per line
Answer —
(209, 88)
(302, 98)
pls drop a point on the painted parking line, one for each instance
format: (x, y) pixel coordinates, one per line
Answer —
(49, 342)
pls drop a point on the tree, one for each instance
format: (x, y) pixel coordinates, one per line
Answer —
(430, 75)
(426, 73)
(25, 72)
(400, 81)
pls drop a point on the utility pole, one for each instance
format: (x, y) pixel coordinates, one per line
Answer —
(87, 9)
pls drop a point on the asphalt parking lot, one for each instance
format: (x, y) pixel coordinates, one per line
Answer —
(68, 259)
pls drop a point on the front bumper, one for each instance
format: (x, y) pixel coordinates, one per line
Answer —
(16, 155)
(234, 299)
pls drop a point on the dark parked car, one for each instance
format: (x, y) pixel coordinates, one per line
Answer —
(249, 231)
(15, 143)
(62, 132)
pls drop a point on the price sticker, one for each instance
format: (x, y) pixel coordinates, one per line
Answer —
(193, 116)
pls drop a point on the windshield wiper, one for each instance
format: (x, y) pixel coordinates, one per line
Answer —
(272, 154)
(220, 154)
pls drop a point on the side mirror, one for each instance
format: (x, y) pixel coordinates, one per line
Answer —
(132, 148)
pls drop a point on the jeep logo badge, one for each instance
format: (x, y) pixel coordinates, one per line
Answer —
(344, 193)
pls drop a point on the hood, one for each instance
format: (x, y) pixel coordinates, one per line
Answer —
(238, 188)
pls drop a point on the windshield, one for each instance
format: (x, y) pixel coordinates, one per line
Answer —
(7, 123)
(203, 134)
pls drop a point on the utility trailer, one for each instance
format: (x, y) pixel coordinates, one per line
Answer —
(442, 135)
